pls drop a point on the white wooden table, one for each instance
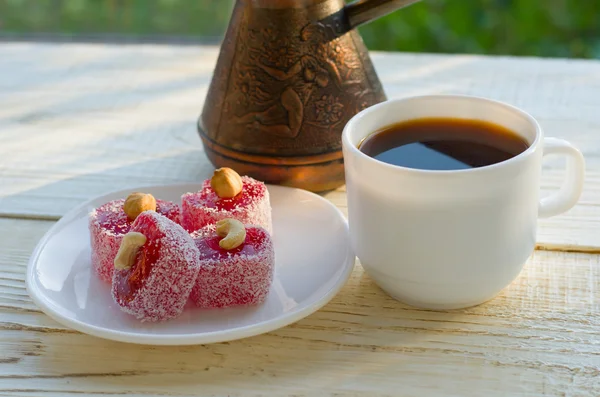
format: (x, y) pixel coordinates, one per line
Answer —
(77, 121)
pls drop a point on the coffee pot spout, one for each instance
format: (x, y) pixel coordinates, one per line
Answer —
(364, 11)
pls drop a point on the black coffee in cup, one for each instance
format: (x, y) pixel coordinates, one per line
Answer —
(443, 144)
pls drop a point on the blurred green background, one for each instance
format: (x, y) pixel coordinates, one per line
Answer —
(550, 28)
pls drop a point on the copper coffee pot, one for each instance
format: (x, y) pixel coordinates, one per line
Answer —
(289, 76)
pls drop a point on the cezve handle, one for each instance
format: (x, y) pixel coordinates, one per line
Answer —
(570, 191)
(363, 11)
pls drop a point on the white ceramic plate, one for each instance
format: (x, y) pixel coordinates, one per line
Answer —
(313, 262)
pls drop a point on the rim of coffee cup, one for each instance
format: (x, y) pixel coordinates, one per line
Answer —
(351, 125)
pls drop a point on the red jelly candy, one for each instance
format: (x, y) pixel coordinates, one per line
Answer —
(162, 271)
(241, 276)
(108, 224)
(251, 206)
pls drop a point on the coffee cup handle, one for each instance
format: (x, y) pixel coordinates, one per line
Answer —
(570, 191)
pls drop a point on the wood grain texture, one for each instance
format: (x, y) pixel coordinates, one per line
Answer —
(539, 337)
(79, 120)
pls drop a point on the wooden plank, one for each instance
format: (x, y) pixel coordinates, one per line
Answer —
(88, 119)
(19, 237)
(539, 337)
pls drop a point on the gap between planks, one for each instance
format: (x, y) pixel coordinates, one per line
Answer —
(29, 217)
(539, 246)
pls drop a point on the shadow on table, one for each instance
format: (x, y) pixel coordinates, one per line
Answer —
(51, 200)
(127, 117)
(357, 333)
(76, 129)
(362, 340)
(361, 332)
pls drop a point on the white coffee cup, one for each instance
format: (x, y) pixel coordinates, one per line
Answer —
(450, 239)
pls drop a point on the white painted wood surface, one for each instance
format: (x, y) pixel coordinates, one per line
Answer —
(79, 120)
(540, 337)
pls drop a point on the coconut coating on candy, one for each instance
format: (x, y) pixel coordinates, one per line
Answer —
(238, 277)
(158, 284)
(107, 224)
(251, 206)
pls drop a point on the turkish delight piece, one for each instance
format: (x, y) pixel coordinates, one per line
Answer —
(155, 269)
(233, 274)
(227, 195)
(110, 222)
